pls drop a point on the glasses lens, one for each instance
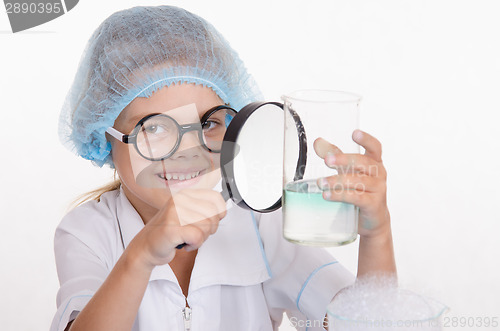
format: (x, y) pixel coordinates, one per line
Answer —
(157, 137)
(214, 128)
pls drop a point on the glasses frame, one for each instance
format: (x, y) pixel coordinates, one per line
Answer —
(181, 129)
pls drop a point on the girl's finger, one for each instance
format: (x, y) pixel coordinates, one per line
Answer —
(211, 197)
(358, 182)
(208, 226)
(198, 205)
(354, 197)
(373, 147)
(193, 236)
(324, 148)
(355, 163)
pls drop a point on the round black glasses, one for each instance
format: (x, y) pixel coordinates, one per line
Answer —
(157, 137)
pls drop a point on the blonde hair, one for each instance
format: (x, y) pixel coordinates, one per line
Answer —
(98, 192)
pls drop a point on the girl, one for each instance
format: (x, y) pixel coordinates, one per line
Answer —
(152, 98)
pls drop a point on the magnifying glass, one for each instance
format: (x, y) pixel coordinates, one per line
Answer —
(252, 157)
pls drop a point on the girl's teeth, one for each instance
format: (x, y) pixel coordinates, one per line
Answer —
(182, 176)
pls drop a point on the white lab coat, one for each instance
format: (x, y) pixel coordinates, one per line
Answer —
(244, 277)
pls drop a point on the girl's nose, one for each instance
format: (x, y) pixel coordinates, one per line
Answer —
(189, 146)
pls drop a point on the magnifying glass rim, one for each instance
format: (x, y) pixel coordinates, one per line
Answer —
(228, 153)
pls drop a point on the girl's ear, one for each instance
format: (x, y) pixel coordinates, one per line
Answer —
(110, 142)
(109, 139)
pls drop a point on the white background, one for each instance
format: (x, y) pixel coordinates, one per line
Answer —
(429, 72)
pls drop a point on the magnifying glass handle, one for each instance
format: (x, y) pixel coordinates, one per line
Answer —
(225, 195)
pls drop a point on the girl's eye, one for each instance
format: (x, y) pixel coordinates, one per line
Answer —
(210, 125)
(153, 129)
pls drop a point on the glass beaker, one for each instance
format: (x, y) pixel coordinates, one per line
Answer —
(308, 218)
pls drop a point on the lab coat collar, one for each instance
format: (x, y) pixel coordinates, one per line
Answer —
(232, 256)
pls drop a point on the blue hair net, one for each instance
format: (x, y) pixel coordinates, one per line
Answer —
(135, 52)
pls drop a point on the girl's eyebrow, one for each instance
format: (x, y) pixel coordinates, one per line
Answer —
(135, 119)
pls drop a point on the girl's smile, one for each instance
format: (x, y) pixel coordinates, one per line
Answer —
(178, 176)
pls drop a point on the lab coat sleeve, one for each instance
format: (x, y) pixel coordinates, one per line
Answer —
(83, 262)
(304, 279)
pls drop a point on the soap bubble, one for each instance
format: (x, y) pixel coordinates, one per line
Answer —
(378, 303)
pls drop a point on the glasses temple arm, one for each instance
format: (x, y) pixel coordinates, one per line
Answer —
(116, 134)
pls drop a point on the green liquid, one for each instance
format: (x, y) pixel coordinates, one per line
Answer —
(310, 219)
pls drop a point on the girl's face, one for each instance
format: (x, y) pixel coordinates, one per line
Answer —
(150, 184)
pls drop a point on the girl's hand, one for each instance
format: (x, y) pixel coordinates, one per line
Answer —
(190, 216)
(361, 181)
